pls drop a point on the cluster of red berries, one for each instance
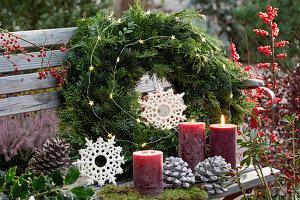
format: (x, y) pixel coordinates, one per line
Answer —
(275, 29)
(282, 55)
(273, 137)
(55, 74)
(274, 67)
(10, 44)
(265, 49)
(42, 53)
(260, 32)
(234, 55)
(269, 16)
(248, 68)
(281, 44)
(263, 65)
(63, 49)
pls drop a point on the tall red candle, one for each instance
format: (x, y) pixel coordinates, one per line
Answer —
(222, 142)
(148, 172)
(191, 142)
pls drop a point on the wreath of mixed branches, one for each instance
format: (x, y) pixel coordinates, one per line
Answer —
(193, 63)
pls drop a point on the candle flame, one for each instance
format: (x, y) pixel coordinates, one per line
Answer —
(193, 121)
(222, 120)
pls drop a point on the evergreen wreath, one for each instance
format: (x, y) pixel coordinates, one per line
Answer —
(193, 63)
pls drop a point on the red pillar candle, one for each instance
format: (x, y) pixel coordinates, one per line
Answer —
(148, 172)
(191, 142)
(222, 141)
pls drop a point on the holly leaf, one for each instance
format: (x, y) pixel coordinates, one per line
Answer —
(82, 192)
(19, 189)
(39, 183)
(57, 178)
(10, 174)
(72, 175)
(253, 133)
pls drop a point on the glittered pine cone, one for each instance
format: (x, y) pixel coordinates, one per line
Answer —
(177, 174)
(209, 173)
(52, 155)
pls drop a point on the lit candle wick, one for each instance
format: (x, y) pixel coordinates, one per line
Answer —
(193, 121)
(222, 121)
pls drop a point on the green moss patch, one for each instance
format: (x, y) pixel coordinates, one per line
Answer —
(112, 192)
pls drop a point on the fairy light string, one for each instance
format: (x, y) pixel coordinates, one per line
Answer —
(91, 69)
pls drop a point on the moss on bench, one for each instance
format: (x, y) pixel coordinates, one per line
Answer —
(112, 192)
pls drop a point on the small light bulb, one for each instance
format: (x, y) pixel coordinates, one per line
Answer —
(144, 144)
(92, 68)
(109, 135)
(118, 59)
(91, 103)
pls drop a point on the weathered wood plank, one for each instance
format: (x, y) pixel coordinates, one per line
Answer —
(35, 63)
(249, 180)
(29, 103)
(54, 36)
(148, 85)
(25, 82)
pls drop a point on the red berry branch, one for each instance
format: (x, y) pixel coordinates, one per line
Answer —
(11, 47)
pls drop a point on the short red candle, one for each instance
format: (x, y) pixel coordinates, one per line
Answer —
(222, 142)
(191, 142)
(148, 172)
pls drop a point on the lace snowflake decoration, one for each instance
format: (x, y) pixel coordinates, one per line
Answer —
(163, 109)
(110, 158)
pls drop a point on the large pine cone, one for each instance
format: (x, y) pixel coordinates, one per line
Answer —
(52, 155)
(210, 171)
(176, 173)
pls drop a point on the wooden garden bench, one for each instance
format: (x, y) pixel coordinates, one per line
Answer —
(27, 80)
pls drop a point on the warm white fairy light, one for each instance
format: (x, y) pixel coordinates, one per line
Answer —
(91, 103)
(173, 37)
(141, 41)
(91, 68)
(118, 59)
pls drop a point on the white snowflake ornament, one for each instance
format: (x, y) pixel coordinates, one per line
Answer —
(163, 109)
(107, 153)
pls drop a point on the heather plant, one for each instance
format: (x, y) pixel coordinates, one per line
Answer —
(21, 134)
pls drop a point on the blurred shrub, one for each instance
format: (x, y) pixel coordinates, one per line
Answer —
(20, 136)
(39, 14)
(288, 14)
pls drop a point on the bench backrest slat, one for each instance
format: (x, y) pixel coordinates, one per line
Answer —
(29, 103)
(53, 36)
(35, 63)
(25, 82)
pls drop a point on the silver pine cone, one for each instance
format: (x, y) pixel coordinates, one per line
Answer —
(52, 155)
(177, 174)
(209, 173)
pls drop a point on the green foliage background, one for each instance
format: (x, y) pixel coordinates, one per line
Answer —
(193, 63)
(288, 23)
(39, 14)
